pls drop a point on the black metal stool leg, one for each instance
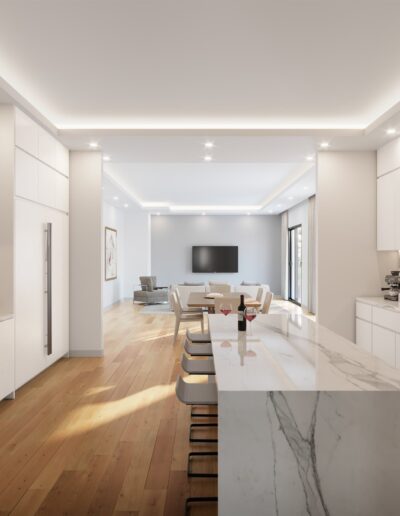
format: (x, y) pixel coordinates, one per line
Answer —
(198, 499)
(200, 454)
(202, 425)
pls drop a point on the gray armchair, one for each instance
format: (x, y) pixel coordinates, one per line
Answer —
(150, 294)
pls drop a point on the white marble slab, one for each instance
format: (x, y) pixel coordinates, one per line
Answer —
(291, 353)
(308, 424)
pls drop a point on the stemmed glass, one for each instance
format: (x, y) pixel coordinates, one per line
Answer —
(226, 308)
(250, 314)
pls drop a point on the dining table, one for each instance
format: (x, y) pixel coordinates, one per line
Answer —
(308, 422)
(207, 300)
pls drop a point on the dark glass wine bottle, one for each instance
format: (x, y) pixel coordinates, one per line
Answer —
(241, 317)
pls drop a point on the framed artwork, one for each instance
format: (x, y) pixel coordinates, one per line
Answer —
(110, 249)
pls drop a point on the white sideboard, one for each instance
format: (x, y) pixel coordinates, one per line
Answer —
(388, 207)
(378, 328)
(7, 384)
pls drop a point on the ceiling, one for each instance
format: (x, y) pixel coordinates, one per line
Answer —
(150, 82)
(187, 64)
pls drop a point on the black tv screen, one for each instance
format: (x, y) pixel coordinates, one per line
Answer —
(213, 258)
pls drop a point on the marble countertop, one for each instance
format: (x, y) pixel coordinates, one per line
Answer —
(380, 302)
(289, 352)
(6, 317)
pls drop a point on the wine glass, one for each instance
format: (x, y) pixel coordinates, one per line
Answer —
(250, 314)
(226, 308)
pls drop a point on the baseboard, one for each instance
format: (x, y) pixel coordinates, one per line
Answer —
(88, 353)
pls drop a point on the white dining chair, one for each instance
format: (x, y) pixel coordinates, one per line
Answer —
(182, 316)
(267, 302)
(220, 288)
(260, 293)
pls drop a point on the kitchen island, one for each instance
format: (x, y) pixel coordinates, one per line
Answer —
(309, 424)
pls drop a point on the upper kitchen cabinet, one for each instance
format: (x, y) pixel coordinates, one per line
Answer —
(36, 141)
(388, 157)
(388, 207)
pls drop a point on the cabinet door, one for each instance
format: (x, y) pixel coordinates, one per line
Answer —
(30, 297)
(26, 133)
(384, 344)
(364, 335)
(386, 212)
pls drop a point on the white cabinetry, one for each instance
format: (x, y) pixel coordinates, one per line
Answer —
(6, 358)
(388, 207)
(378, 329)
(41, 197)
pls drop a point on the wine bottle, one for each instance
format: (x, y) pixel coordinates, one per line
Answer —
(241, 317)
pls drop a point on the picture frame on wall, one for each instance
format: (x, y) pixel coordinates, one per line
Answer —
(110, 253)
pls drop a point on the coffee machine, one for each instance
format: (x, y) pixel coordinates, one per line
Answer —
(393, 280)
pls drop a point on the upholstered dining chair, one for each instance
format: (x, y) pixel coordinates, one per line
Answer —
(267, 302)
(220, 288)
(182, 316)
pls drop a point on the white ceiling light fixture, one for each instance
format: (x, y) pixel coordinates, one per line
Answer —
(208, 158)
(306, 188)
(106, 158)
(126, 205)
(324, 145)
(391, 130)
(115, 198)
(290, 198)
(209, 145)
(158, 214)
(203, 213)
(310, 158)
(93, 145)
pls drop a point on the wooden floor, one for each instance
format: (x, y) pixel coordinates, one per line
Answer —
(102, 436)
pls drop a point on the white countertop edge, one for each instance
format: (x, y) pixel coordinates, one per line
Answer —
(380, 302)
(6, 317)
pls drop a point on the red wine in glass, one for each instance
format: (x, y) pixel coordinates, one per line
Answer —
(226, 309)
(250, 314)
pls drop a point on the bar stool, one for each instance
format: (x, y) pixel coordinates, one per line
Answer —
(192, 366)
(203, 349)
(197, 337)
(204, 394)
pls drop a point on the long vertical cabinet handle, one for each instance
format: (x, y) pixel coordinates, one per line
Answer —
(49, 290)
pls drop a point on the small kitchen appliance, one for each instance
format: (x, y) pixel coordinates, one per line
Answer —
(393, 280)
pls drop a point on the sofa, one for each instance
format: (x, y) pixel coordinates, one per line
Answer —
(150, 293)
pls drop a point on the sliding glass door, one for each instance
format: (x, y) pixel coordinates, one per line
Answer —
(295, 263)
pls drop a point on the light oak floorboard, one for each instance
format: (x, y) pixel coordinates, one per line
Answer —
(104, 435)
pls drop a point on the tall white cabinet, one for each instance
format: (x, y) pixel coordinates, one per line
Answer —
(388, 206)
(41, 271)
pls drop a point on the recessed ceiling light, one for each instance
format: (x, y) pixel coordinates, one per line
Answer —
(106, 158)
(310, 158)
(208, 158)
(93, 145)
(115, 198)
(209, 145)
(279, 205)
(126, 205)
(391, 130)
(203, 213)
(248, 213)
(158, 213)
(306, 188)
(290, 197)
(324, 145)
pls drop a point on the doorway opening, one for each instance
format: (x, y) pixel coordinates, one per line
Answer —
(295, 263)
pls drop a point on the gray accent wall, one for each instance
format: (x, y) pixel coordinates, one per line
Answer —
(257, 236)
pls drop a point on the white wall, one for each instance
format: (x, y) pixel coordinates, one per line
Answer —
(348, 264)
(299, 215)
(137, 249)
(258, 238)
(86, 254)
(113, 289)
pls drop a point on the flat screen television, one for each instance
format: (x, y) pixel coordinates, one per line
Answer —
(215, 258)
